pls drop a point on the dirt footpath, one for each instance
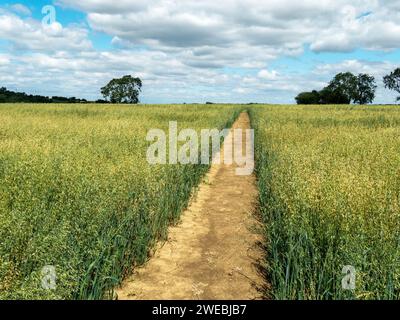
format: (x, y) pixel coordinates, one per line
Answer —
(214, 253)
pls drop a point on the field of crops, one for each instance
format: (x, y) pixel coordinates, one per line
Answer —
(329, 180)
(77, 193)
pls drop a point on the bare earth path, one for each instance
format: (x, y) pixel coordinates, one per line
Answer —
(213, 254)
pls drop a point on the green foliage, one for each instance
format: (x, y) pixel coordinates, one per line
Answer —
(330, 96)
(365, 89)
(7, 96)
(309, 98)
(123, 90)
(345, 85)
(392, 81)
(344, 88)
(329, 182)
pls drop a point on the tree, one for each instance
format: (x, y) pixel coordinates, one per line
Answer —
(313, 97)
(17, 97)
(123, 90)
(343, 85)
(344, 88)
(365, 90)
(333, 96)
(392, 81)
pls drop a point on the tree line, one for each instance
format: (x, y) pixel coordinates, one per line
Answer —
(123, 90)
(347, 88)
(8, 96)
(344, 88)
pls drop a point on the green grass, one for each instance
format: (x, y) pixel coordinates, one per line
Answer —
(77, 192)
(329, 180)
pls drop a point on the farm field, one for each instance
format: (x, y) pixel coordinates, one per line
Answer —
(329, 181)
(214, 253)
(76, 192)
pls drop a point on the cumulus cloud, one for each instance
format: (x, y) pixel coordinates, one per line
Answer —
(84, 73)
(379, 29)
(375, 68)
(268, 75)
(4, 60)
(32, 34)
(328, 25)
(21, 9)
(197, 50)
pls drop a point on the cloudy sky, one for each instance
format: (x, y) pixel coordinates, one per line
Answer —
(197, 50)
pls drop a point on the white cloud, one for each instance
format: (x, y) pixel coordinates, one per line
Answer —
(328, 25)
(21, 9)
(4, 60)
(194, 50)
(379, 30)
(268, 75)
(378, 69)
(33, 35)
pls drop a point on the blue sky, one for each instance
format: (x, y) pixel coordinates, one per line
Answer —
(226, 51)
